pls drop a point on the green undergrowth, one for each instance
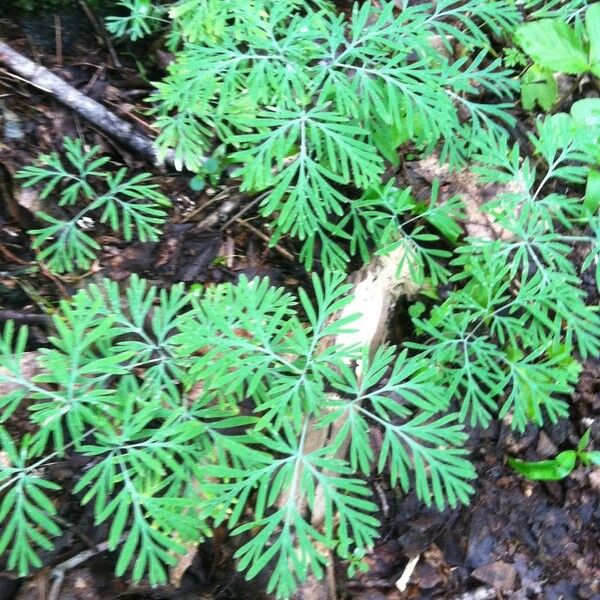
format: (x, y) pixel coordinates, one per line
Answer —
(309, 103)
(84, 186)
(193, 408)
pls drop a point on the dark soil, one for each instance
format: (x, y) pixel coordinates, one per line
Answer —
(516, 540)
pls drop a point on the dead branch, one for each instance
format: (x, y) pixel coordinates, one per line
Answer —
(100, 32)
(377, 288)
(43, 79)
(19, 316)
(59, 572)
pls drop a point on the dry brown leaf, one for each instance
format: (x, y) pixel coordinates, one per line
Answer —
(184, 562)
(29, 368)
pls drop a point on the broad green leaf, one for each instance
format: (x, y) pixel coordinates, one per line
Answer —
(586, 112)
(538, 86)
(592, 25)
(591, 200)
(553, 44)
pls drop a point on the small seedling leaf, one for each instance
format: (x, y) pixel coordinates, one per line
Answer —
(546, 470)
(584, 441)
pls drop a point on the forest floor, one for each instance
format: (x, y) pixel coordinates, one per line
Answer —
(516, 540)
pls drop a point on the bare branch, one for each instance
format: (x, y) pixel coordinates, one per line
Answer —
(97, 114)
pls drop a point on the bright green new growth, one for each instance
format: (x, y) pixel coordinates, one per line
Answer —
(561, 465)
(192, 409)
(131, 205)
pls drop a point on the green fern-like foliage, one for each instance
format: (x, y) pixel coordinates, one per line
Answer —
(312, 104)
(505, 339)
(81, 183)
(192, 21)
(194, 408)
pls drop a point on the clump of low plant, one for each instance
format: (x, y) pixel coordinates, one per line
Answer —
(81, 183)
(310, 104)
(506, 337)
(194, 409)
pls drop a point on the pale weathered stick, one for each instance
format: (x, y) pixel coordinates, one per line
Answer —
(377, 288)
(93, 111)
(59, 572)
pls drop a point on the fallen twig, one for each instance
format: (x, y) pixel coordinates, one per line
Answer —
(91, 110)
(100, 32)
(244, 210)
(11, 256)
(263, 236)
(22, 317)
(58, 573)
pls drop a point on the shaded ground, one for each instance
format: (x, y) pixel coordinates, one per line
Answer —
(517, 540)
